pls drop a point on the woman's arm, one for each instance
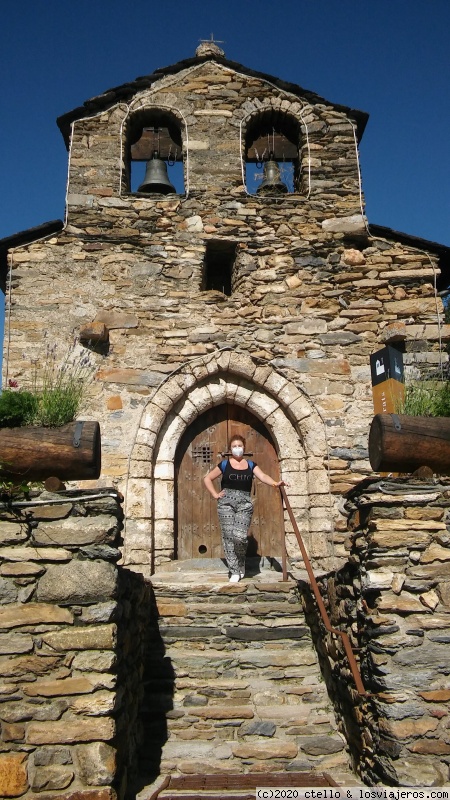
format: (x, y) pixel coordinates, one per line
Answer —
(266, 478)
(208, 481)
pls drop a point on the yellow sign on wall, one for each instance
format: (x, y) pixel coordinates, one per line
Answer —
(388, 396)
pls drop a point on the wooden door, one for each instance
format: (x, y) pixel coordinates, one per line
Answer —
(197, 525)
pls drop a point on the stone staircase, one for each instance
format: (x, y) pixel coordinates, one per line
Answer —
(237, 676)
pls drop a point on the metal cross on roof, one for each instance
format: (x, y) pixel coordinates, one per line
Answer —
(211, 39)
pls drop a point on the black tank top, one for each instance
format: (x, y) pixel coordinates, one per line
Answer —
(240, 479)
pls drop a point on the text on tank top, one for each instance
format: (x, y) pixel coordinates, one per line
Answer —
(240, 479)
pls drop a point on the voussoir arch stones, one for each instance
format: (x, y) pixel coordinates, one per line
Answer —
(296, 427)
(231, 377)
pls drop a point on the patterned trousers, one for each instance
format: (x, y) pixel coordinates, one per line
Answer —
(235, 511)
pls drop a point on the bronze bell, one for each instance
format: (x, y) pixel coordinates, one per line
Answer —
(156, 179)
(271, 182)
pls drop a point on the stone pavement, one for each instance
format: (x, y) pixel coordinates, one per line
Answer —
(246, 694)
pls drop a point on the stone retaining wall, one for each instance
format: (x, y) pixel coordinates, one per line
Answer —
(70, 656)
(393, 597)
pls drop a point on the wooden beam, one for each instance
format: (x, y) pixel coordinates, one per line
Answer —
(282, 147)
(151, 140)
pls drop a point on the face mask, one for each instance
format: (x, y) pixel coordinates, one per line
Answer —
(237, 451)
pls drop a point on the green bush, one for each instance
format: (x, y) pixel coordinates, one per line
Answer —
(426, 399)
(17, 407)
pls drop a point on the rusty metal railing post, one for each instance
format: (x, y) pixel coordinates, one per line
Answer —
(283, 554)
(321, 606)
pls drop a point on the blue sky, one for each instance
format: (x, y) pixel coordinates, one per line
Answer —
(389, 58)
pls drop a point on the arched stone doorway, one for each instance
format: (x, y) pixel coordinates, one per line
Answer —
(291, 419)
(197, 532)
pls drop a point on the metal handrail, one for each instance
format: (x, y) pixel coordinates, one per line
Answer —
(323, 612)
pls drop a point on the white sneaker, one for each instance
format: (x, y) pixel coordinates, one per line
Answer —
(235, 578)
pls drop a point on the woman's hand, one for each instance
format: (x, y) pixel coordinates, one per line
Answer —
(208, 481)
(221, 494)
(267, 479)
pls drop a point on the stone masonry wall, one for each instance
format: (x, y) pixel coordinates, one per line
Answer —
(393, 598)
(313, 294)
(70, 650)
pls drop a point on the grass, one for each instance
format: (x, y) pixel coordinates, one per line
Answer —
(426, 398)
(57, 395)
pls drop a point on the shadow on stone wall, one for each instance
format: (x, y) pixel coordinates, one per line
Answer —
(147, 677)
(80, 646)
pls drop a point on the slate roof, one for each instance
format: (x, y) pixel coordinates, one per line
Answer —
(441, 250)
(127, 90)
(31, 234)
(24, 237)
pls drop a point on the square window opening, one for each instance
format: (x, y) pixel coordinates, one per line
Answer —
(218, 266)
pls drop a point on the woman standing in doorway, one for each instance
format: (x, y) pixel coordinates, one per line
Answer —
(234, 504)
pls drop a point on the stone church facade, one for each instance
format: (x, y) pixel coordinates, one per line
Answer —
(221, 296)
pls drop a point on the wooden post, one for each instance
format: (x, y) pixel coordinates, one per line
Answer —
(71, 452)
(401, 443)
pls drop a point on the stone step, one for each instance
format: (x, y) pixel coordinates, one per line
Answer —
(254, 565)
(210, 576)
(212, 627)
(279, 665)
(268, 698)
(247, 633)
(177, 604)
(231, 786)
(202, 598)
(231, 610)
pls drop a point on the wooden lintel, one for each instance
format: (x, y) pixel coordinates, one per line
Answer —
(282, 148)
(150, 141)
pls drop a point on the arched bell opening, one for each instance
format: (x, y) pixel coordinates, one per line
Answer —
(197, 531)
(154, 153)
(272, 146)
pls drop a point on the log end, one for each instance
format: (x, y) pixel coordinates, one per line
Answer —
(376, 442)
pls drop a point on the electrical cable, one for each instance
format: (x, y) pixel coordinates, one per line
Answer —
(417, 249)
(53, 501)
(358, 167)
